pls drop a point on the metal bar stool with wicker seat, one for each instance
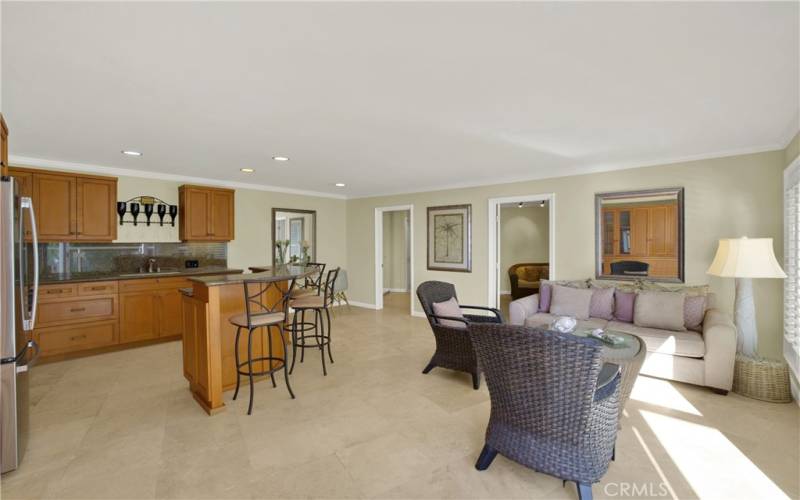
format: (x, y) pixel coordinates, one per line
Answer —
(321, 337)
(258, 315)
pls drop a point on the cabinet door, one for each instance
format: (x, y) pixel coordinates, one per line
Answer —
(137, 316)
(638, 236)
(25, 183)
(663, 231)
(170, 315)
(221, 215)
(54, 206)
(96, 206)
(198, 208)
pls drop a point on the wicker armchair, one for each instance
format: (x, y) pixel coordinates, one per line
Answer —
(552, 408)
(453, 345)
(526, 278)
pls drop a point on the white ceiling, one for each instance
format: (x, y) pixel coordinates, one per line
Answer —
(396, 97)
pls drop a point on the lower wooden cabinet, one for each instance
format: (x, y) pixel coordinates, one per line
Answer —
(66, 339)
(150, 314)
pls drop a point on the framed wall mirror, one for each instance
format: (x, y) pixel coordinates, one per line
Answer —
(294, 236)
(639, 234)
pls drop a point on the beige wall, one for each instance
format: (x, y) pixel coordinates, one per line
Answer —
(252, 246)
(725, 197)
(792, 151)
(394, 251)
(523, 238)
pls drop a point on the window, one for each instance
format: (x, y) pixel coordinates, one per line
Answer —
(791, 295)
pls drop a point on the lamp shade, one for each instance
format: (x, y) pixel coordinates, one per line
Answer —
(746, 258)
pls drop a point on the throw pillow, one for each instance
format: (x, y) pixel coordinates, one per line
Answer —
(546, 291)
(449, 308)
(568, 301)
(663, 310)
(694, 310)
(602, 303)
(623, 305)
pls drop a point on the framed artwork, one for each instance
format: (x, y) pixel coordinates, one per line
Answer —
(450, 238)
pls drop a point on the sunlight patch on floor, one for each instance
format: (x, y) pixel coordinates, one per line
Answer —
(661, 393)
(712, 465)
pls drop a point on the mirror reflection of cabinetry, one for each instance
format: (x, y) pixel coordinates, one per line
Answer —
(640, 234)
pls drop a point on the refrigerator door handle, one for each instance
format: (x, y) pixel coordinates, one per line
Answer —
(22, 354)
(29, 316)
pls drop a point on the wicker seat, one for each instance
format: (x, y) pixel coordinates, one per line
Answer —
(548, 410)
(453, 345)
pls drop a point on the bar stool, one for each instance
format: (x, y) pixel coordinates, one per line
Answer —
(320, 338)
(311, 287)
(262, 311)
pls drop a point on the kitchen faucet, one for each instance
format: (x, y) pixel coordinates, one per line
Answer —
(151, 265)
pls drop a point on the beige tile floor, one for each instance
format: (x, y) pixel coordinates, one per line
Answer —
(123, 425)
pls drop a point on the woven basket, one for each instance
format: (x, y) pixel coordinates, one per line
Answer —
(762, 379)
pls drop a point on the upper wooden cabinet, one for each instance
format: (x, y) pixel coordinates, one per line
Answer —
(206, 214)
(70, 207)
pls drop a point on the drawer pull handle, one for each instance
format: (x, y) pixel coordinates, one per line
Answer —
(55, 291)
(78, 337)
(98, 288)
(77, 309)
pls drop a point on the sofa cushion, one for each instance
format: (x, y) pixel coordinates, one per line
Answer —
(686, 343)
(449, 308)
(623, 305)
(546, 291)
(602, 303)
(543, 320)
(688, 290)
(662, 310)
(694, 310)
(573, 302)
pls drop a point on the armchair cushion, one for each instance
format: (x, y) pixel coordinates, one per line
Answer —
(451, 309)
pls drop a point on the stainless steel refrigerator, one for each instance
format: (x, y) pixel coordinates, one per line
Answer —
(19, 287)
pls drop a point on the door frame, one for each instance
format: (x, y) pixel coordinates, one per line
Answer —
(493, 262)
(379, 211)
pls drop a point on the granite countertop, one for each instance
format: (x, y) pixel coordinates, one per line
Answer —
(277, 273)
(79, 277)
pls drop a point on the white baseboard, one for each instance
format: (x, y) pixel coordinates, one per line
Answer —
(363, 304)
(395, 290)
(418, 314)
(505, 292)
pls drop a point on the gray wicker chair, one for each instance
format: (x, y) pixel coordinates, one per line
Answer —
(453, 345)
(552, 408)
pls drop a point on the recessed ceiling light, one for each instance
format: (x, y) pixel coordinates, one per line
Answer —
(131, 153)
(340, 184)
(280, 158)
(247, 170)
(520, 205)
(542, 204)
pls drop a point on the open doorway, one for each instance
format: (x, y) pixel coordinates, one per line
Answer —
(522, 247)
(394, 258)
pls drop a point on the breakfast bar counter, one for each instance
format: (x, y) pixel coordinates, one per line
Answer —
(209, 361)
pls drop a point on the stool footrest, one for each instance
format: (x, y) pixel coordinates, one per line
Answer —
(266, 372)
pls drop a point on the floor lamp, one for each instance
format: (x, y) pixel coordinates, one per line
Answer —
(745, 259)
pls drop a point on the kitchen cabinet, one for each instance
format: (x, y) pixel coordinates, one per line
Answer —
(3, 146)
(206, 214)
(70, 207)
(151, 308)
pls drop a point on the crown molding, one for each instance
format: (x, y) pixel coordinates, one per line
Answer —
(584, 170)
(26, 161)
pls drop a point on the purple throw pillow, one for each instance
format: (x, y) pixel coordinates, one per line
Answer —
(623, 306)
(602, 304)
(545, 295)
(694, 310)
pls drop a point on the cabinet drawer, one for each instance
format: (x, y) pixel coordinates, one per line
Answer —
(52, 292)
(141, 285)
(97, 288)
(64, 339)
(73, 311)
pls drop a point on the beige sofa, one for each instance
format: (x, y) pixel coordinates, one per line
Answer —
(704, 359)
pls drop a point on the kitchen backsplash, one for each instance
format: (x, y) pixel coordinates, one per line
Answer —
(128, 257)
